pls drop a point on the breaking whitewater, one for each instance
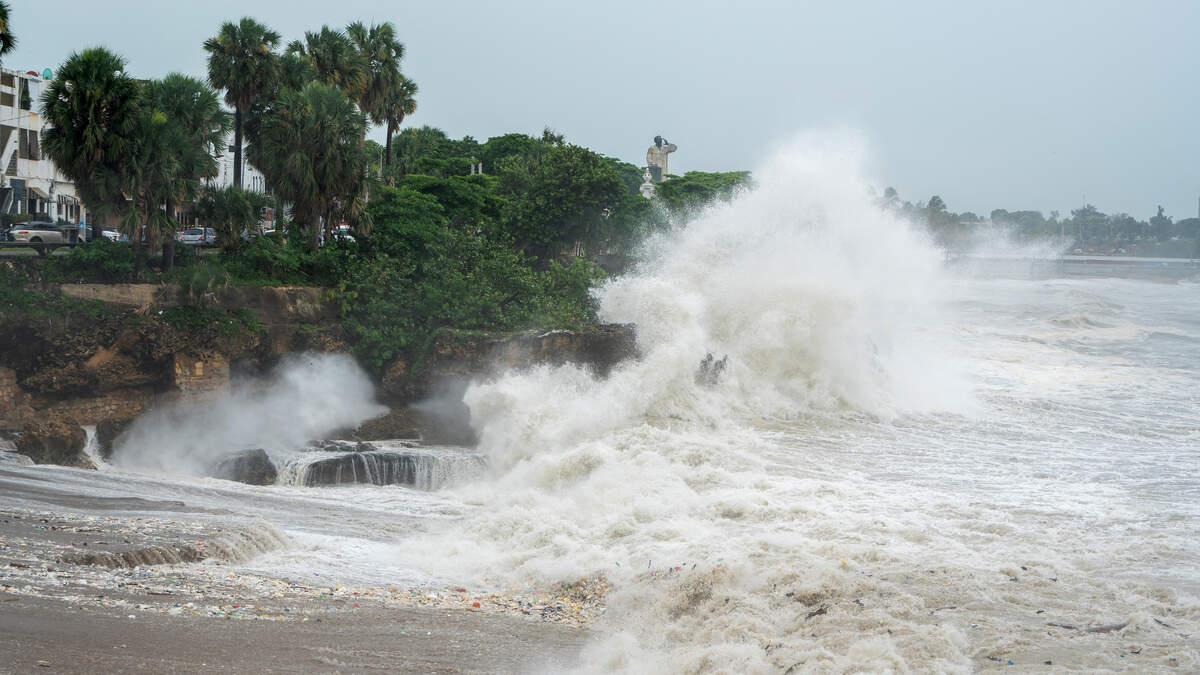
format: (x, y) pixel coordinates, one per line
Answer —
(897, 470)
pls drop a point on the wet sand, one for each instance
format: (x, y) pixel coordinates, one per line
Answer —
(63, 637)
(76, 595)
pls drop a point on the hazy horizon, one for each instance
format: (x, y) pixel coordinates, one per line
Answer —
(1015, 106)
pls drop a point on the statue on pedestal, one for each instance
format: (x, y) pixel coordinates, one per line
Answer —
(656, 158)
(647, 187)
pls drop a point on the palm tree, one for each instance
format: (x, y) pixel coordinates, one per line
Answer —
(7, 40)
(200, 127)
(380, 52)
(399, 103)
(92, 108)
(334, 58)
(231, 212)
(242, 61)
(310, 148)
(150, 176)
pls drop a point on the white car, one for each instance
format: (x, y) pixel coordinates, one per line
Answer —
(198, 236)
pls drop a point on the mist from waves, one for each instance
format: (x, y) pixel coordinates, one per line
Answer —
(307, 396)
(683, 495)
(821, 300)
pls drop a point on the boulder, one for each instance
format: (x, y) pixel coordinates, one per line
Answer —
(9, 455)
(54, 439)
(252, 467)
(395, 424)
(107, 433)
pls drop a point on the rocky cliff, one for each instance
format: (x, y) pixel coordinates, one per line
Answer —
(150, 344)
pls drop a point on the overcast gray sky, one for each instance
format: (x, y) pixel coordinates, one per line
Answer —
(1017, 105)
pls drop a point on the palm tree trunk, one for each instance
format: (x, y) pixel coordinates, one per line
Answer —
(387, 152)
(168, 246)
(387, 144)
(237, 148)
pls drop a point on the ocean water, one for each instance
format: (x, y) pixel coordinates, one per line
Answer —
(900, 470)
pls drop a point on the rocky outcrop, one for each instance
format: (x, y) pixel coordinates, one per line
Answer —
(464, 356)
(252, 467)
(111, 361)
(401, 423)
(421, 468)
(54, 440)
(107, 433)
(105, 364)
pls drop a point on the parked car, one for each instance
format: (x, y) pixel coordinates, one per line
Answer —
(41, 232)
(198, 236)
(113, 234)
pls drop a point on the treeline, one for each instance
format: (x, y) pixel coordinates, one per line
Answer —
(1087, 229)
(422, 234)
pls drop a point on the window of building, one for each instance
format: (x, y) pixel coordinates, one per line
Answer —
(26, 99)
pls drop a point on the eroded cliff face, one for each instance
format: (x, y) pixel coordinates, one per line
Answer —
(459, 356)
(110, 366)
(106, 369)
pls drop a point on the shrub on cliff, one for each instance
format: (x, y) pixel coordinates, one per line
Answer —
(444, 278)
(99, 260)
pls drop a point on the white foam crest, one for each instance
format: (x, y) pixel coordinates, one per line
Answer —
(307, 396)
(825, 305)
(821, 300)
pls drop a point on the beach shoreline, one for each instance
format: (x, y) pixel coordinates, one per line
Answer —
(74, 597)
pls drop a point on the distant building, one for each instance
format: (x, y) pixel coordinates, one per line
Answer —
(252, 179)
(29, 181)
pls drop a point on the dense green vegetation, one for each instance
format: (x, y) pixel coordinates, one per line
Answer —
(422, 234)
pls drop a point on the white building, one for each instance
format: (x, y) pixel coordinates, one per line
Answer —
(252, 179)
(29, 181)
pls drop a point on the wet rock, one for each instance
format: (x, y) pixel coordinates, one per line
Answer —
(709, 372)
(54, 440)
(107, 433)
(425, 470)
(252, 467)
(9, 455)
(400, 423)
(151, 555)
(342, 446)
(456, 355)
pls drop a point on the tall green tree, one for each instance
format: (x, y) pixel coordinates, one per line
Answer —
(565, 197)
(242, 61)
(400, 103)
(310, 148)
(199, 128)
(380, 53)
(334, 58)
(150, 175)
(92, 108)
(231, 212)
(7, 40)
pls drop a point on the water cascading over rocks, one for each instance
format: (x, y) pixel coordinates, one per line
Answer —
(420, 467)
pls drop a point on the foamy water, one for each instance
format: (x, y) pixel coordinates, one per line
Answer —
(899, 470)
